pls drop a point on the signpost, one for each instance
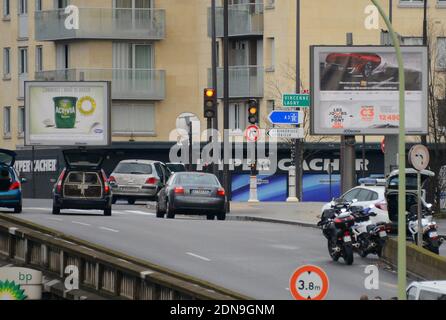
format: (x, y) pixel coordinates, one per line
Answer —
(297, 133)
(419, 158)
(286, 117)
(292, 100)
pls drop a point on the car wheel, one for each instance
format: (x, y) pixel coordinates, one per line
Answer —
(368, 69)
(170, 212)
(18, 209)
(114, 200)
(221, 216)
(159, 213)
(131, 201)
(210, 217)
(56, 210)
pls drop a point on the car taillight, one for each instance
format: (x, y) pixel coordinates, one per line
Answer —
(381, 206)
(15, 186)
(106, 185)
(152, 181)
(59, 181)
(221, 192)
(179, 190)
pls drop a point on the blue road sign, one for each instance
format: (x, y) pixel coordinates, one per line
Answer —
(286, 117)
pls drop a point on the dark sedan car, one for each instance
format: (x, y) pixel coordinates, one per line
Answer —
(82, 184)
(192, 193)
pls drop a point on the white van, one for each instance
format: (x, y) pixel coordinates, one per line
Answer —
(431, 290)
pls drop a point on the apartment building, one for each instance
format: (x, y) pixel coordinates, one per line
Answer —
(157, 53)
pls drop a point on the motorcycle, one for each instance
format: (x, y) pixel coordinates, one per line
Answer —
(337, 226)
(369, 238)
(431, 240)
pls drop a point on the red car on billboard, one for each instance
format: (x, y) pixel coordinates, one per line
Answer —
(355, 63)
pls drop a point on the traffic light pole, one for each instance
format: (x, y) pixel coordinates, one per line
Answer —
(298, 145)
(227, 156)
(214, 76)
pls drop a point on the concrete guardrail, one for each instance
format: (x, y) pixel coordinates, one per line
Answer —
(420, 262)
(105, 272)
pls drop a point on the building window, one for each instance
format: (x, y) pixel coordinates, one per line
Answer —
(412, 41)
(132, 118)
(23, 7)
(6, 8)
(272, 53)
(38, 5)
(21, 121)
(412, 2)
(7, 121)
(441, 53)
(61, 4)
(23, 60)
(39, 59)
(6, 62)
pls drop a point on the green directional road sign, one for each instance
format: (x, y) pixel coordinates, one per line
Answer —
(296, 100)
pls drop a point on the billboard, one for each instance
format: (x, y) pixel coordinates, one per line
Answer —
(355, 90)
(271, 188)
(67, 113)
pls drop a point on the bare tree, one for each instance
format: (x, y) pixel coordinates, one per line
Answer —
(436, 105)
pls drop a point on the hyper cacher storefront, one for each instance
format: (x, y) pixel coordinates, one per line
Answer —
(41, 168)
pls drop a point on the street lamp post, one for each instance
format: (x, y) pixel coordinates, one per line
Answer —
(402, 280)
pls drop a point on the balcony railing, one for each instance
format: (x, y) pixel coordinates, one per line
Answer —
(244, 81)
(244, 20)
(102, 23)
(128, 84)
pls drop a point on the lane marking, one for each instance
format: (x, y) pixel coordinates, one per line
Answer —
(55, 219)
(108, 229)
(37, 209)
(81, 223)
(198, 257)
(140, 212)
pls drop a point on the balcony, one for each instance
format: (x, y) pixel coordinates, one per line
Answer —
(244, 81)
(127, 84)
(244, 20)
(102, 23)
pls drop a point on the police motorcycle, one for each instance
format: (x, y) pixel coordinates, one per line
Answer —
(369, 238)
(431, 240)
(336, 224)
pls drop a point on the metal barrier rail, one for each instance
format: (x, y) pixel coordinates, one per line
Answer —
(102, 271)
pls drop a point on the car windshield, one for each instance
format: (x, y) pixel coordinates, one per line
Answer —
(176, 167)
(134, 168)
(197, 180)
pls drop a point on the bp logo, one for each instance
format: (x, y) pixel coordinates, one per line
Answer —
(11, 291)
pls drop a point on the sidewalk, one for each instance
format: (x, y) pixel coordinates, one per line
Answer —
(305, 214)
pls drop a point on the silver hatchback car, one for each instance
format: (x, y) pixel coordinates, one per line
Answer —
(138, 180)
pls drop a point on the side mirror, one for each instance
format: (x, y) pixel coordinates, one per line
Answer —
(23, 180)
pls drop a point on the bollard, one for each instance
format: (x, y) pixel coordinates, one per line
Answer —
(253, 189)
(292, 185)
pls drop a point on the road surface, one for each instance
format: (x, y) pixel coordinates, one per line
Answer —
(253, 258)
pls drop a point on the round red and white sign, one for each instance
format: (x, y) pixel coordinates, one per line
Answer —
(252, 133)
(309, 283)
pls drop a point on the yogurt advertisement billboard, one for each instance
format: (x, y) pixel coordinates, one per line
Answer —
(67, 113)
(355, 90)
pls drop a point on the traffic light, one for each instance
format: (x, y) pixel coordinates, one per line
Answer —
(209, 103)
(253, 111)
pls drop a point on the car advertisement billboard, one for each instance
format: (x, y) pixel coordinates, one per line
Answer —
(355, 90)
(67, 113)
